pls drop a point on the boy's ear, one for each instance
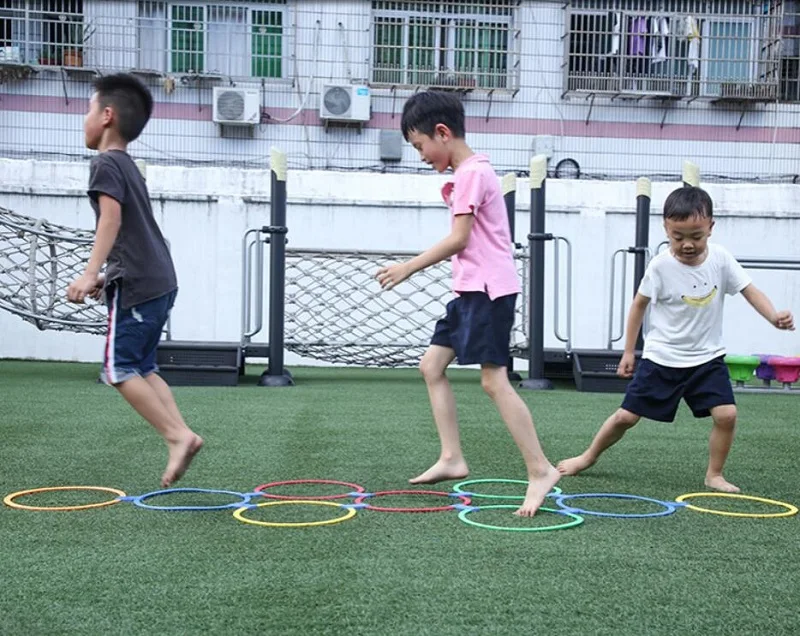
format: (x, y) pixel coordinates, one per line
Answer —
(108, 116)
(442, 131)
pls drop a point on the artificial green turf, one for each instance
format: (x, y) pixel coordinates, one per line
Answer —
(125, 570)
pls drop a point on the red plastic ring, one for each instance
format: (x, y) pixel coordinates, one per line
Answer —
(464, 499)
(263, 487)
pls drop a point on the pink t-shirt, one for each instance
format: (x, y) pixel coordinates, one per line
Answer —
(487, 262)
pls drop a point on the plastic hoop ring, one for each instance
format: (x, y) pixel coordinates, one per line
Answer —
(669, 507)
(9, 499)
(360, 500)
(139, 501)
(790, 509)
(239, 514)
(477, 495)
(575, 520)
(263, 487)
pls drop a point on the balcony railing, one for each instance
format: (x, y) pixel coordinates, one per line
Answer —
(722, 50)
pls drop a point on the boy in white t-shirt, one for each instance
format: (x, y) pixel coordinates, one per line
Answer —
(683, 355)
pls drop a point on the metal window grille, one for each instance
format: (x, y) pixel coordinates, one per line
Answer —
(723, 50)
(242, 39)
(43, 32)
(232, 39)
(462, 45)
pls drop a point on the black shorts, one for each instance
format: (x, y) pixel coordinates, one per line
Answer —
(656, 391)
(477, 328)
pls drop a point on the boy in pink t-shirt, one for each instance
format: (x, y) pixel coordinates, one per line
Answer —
(477, 326)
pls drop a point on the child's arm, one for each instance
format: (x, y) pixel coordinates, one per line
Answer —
(107, 229)
(635, 320)
(453, 243)
(763, 305)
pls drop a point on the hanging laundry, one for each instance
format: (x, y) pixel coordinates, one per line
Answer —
(693, 36)
(616, 31)
(660, 29)
(637, 39)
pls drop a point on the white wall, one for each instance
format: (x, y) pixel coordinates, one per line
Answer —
(205, 211)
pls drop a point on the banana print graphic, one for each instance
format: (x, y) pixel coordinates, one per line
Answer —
(700, 301)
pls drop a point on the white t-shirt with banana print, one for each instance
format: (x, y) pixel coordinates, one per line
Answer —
(686, 303)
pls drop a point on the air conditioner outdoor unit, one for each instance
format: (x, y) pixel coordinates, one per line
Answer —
(345, 103)
(236, 106)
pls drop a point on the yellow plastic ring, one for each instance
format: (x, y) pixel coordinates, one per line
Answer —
(9, 499)
(790, 509)
(239, 514)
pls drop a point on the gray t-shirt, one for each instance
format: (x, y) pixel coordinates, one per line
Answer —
(139, 261)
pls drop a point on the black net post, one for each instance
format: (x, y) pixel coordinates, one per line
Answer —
(276, 375)
(536, 243)
(641, 245)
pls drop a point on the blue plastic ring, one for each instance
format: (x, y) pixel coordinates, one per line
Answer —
(669, 507)
(244, 499)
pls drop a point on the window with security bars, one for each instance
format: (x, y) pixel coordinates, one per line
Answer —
(43, 32)
(445, 44)
(790, 54)
(725, 49)
(229, 39)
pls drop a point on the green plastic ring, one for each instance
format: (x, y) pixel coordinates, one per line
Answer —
(458, 488)
(576, 520)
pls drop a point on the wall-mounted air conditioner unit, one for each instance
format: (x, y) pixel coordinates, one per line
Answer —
(236, 106)
(344, 103)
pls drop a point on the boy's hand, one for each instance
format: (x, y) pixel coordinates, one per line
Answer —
(393, 275)
(784, 320)
(83, 286)
(97, 292)
(626, 365)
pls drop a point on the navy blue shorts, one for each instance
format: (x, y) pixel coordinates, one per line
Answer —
(133, 336)
(656, 391)
(477, 328)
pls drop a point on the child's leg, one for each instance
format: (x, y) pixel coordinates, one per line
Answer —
(542, 476)
(168, 400)
(165, 395)
(719, 445)
(709, 392)
(182, 443)
(130, 362)
(451, 463)
(609, 434)
(655, 393)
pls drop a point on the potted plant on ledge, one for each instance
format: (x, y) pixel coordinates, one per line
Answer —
(74, 46)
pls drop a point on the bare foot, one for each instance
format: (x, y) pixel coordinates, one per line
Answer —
(181, 455)
(537, 491)
(574, 465)
(718, 482)
(441, 471)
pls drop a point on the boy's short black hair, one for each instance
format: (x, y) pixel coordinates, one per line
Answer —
(130, 99)
(423, 111)
(687, 202)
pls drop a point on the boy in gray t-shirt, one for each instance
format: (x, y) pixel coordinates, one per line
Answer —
(139, 283)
